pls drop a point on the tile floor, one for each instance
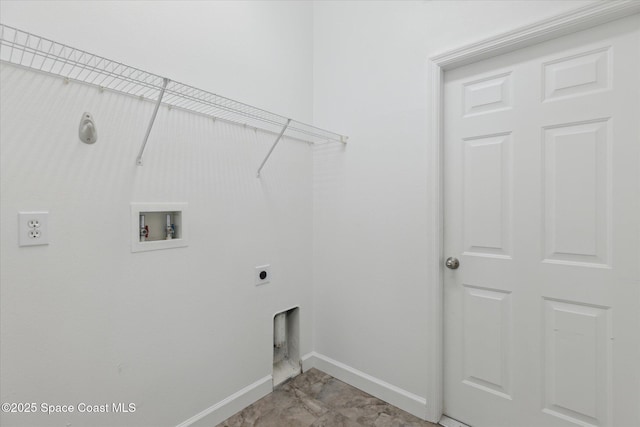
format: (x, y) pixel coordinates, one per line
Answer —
(315, 399)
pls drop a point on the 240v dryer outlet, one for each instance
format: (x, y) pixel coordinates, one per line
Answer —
(263, 274)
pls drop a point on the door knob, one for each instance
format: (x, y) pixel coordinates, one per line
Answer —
(452, 263)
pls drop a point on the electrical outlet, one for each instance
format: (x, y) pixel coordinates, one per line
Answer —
(263, 274)
(33, 229)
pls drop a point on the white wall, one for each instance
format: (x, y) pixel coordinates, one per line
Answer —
(178, 330)
(252, 51)
(371, 223)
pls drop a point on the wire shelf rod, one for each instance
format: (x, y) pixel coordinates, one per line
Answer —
(28, 50)
(153, 118)
(284, 128)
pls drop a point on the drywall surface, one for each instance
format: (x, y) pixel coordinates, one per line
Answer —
(371, 223)
(252, 51)
(84, 320)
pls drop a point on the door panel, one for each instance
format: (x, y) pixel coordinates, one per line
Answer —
(542, 207)
(487, 336)
(577, 75)
(577, 361)
(486, 195)
(487, 95)
(577, 193)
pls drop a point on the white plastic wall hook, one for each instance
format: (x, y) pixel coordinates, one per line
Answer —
(87, 131)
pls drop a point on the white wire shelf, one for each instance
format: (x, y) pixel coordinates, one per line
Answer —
(38, 53)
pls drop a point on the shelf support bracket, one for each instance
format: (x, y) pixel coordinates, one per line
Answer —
(153, 119)
(274, 146)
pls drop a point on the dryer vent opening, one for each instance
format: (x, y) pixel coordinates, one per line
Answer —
(286, 350)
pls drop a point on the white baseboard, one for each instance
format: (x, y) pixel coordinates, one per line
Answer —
(222, 410)
(396, 396)
(308, 361)
(450, 422)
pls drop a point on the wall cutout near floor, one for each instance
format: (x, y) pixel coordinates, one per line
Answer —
(286, 350)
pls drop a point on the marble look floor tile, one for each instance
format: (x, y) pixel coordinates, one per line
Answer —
(337, 394)
(334, 419)
(315, 399)
(402, 420)
(285, 406)
(311, 382)
(375, 412)
(363, 408)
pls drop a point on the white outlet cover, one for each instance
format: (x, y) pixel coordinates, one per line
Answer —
(264, 270)
(33, 228)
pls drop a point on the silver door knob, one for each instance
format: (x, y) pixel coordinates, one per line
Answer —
(452, 263)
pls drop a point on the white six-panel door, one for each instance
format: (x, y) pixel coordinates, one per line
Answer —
(542, 208)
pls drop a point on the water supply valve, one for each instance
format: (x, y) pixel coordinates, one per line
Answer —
(144, 230)
(171, 228)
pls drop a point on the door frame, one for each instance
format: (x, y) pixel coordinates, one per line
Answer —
(575, 20)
